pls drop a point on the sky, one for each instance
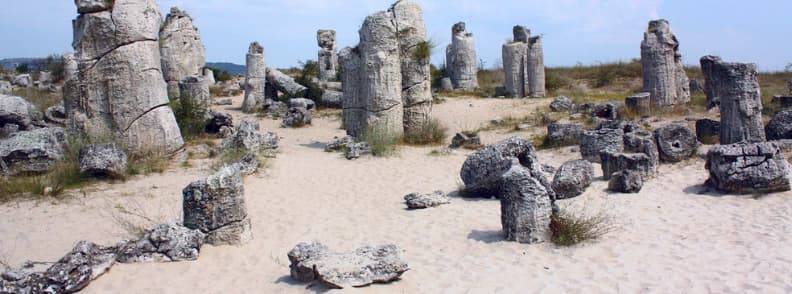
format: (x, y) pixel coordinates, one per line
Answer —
(574, 31)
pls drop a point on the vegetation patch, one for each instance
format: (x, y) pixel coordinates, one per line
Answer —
(568, 229)
(431, 132)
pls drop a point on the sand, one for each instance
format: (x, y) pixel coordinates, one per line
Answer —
(669, 238)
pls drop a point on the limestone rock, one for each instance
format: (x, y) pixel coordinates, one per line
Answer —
(297, 117)
(23, 80)
(328, 57)
(363, 267)
(640, 104)
(308, 104)
(121, 87)
(5, 88)
(616, 162)
(165, 242)
(746, 168)
(462, 139)
(355, 150)
(461, 60)
(255, 79)
(416, 84)
(626, 181)
(663, 72)
(355, 116)
(593, 143)
(563, 134)
(675, 143)
(104, 160)
(572, 178)
(708, 131)
(562, 104)
(196, 89)
(736, 87)
(780, 127)
(446, 85)
(339, 144)
(35, 151)
(332, 99)
(219, 120)
(525, 206)
(181, 47)
(16, 110)
(284, 83)
(56, 115)
(248, 165)
(216, 207)
(248, 138)
(424, 200)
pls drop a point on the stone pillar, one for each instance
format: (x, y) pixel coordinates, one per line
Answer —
(526, 207)
(381, 77)
(182, 50)
(196, 89)
(354, 107)
(663, 72)
(737, 88)
(328, 59)
(216, 206)
(255, 79)
(416, 83)
(523, 65)
(640, 104)
(120, 88)
(461, 60)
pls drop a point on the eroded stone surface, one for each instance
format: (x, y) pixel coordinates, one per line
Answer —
(216, 206)
(735, 87)
(363, 267)
(461, 60)
(572, 178)
(746, 168)
(426, 200)
(663, 71)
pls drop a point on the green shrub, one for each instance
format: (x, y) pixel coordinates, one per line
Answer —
(431, 132)
(568, 229)
(221, 75)
(382, 142)
(423, 50)
(190, 116)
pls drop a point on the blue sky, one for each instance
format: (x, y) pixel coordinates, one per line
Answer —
(575, 31)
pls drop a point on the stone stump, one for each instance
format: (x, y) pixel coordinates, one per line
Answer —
(461, 60)
(640, 104)
(182, 50)
(255, 79)
(216, 207)
(746, 168)
(664, 74)
(328, 56)
(736, 87)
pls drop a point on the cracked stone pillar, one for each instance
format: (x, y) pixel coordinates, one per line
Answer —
(736, 86)
(328, 58)
(523, 65)
(120, 89)
(416, 84)
(354, 113)
(255, 79)
(182, 50)
(380, 74)
(461, 60)
(663, 72)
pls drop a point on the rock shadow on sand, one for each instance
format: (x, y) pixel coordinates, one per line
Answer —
(488, 237)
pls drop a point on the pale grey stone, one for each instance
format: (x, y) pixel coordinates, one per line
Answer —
(461, 60)
(16, 110)
(736, 87)
(676, 142)
(593, 143)
(35, 151)
(664, 74)
(526, 206)
(426, 200)
(296, 117)
(255, 79)
(563, 134)
(780, 127)
(365, 266)
(165, 242)
(103, 160)
(573, 178)
(328, 56)
(284, 83)
(746, 168)
(216, 206)
(182, 49)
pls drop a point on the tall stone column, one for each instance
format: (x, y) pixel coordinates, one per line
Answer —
(415, 71)
(737, 87)
(182, 50)
(523, 65)
(328, 58)
(381, 77)
(354, 106)
(663, 72)
(255, 79)
(461, 60)
(535, 69)
(514, 65)
(121, 90)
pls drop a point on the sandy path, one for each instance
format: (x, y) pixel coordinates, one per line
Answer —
(669, 239)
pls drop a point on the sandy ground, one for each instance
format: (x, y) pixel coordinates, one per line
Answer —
(670, 238)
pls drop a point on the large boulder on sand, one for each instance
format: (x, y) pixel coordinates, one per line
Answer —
(626, 181)
(103, 159)
(593, 143)
(425, 200)
(675, 143)
(165, 242)
(526, 206)
(35, 151)
(563, 134)
(780, 127)
(363, 267)
(746, 168)
(297, 117)
(616, 162)
(216, 207)
(16, 110)
(572, 178)
(248, 139)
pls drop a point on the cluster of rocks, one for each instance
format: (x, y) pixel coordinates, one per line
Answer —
(365, 266)
(352, 150)
(523, 65)
(386, 79)
(461, 61)
(664, 76)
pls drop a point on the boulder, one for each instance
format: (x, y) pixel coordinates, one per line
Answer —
(303, 103)
(216, 207)
(461, 60)
(5, 88)
(526, 206)
(163, 243)
(248, 138)
(35, 151)
(675, 142)
(103, 160)
(639, 104)
(465, 139)
(355, 150)
(482, 172)
(747, 168)
(297, 117)
(780, 127)
(219, 120)
(643, 142)
(562, 104)
(664, 74)
(424, 200)
(182, 51)
(708, 131)
(735, 87)
(23, 81)
(16, 110)
(563, 134)
(626, 181)
(593, 143)
(284, 83)
(332, 99)
(255, 79)
(224, 102)
(572, 178)
(338, 144)
(56, 115)
(274, 108)
(365, 266)
(616, 162)
(248, 165)
(608, 111)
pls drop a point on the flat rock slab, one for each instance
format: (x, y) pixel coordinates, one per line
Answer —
(748, 168)
(423, 200)
(363, 267)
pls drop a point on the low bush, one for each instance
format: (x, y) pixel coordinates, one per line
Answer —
(382, 142)
(568, 229)
(431, 132)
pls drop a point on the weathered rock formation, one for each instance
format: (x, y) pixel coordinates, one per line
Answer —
(523, 65)
(248, 139)
(17, 111)
(297, 117)
(354, 106)
(461, 60)
(35, 151)
(425, 200)
(120, 89)
(639, 104)
(780, 127)
(572, 178)
(562, 104)
(563, 134)
(746, 168)
(676, 142)
(283, 83)
(366, 266)
(182, 50)
(103, 160)
(593, 143)
(626, 181)
(526, 206)
(616, 162)
(416, 82)
(163, 243)
(664, 75)
(465, 139)
(328, 56)
(736, 88)
(255, 79)
(708, 131)
(216, 207)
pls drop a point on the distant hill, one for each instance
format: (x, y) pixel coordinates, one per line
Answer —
(12, 63)
(234, 69)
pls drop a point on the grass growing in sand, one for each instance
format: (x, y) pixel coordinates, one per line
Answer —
(431, 132)
(382, 142)
(568, 229)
